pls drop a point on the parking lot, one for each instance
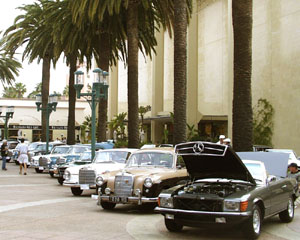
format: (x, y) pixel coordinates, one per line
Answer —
(37, 207)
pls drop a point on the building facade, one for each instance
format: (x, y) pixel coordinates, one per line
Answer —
(26, 120)
(275, 72)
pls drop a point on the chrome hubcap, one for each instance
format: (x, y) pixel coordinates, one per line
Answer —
(256, 221)
(290, 208)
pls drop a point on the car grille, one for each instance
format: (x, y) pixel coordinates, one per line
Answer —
(123, 185)
(60, 161)
(43, 162)
(61, 171)
(198, 204)
(87, 176)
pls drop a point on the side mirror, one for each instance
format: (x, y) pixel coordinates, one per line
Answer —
(271, 179)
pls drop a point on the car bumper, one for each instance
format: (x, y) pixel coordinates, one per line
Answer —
(200, 218)
(128, 199)
(81, 186)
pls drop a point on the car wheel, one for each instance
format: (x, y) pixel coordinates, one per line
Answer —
(108, 205)
(76, 191)
(17, 162)
(287, 215)
(252, 227)
(172, 226)
(38, 170)
(51, 174)
(60, 180)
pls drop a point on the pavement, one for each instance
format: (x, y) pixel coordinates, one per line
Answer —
(35, 206)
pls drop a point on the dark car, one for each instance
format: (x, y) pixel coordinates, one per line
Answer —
(225, 191)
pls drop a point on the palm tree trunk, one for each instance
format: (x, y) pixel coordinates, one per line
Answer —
(103, 63)
(180, 58)
(45, 94)
(133, 98)
(72, 101)
(242, 122)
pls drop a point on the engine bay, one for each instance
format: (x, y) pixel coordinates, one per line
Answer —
(215, 189)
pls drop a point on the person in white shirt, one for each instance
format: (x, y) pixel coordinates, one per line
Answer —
(23, 156)
(221, 139)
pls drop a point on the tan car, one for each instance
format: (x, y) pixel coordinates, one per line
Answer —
(145, 175)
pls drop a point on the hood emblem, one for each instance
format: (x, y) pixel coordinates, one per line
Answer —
(198, 148)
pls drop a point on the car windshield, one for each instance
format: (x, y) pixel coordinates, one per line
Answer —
(86, 156)
(33, 146)
(256, 170)
(150, 159)
(111, 156)
(41, 147)
(74, 150)
(60, 150)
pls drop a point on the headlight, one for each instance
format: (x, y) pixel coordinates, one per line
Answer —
(99, 180)
(231, 206)
(165, 200)
(107, 191)
(67, 175)
(148, 183)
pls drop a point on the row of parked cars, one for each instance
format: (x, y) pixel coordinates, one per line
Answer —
(194, 184)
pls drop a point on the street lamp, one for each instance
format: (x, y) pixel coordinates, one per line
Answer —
(99, 91)
(51, 106)
(9, 114)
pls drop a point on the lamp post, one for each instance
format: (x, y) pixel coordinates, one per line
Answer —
(51, 106)
(9, 114)
(99, 91)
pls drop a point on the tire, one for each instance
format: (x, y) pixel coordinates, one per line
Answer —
(51, 174)
(252, 227)
(76, 191)
(287, 215)
(172, 226)
(17, 162)
(60, 180)
(108, 205)
(38, 170)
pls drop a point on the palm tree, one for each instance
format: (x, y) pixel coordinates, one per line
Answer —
(16, 91)
(180, 57)
(242, 122)
(37, 90)
(9, 66)
(138, 19)
(32, 30)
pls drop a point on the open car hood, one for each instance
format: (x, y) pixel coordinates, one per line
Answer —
(210, 160)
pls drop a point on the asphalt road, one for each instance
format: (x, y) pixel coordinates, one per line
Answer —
(36, 207)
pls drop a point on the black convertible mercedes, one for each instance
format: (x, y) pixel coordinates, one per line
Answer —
(226, 189)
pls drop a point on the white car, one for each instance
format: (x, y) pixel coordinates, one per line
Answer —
(80, 178)
(292, 158)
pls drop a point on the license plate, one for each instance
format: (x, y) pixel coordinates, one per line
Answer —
(41, 168)
(118, 199)
(84, 187)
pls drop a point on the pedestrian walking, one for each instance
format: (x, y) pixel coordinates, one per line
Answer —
(23, 156)
(4, 153)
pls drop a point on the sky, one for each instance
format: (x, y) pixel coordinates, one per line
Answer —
(31, 74)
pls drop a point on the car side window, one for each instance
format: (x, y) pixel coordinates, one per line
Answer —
(180, 162)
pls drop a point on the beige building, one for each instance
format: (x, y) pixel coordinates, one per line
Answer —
(276, 61)
(26, 120)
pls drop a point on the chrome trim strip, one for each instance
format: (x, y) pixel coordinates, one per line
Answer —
(171, 210)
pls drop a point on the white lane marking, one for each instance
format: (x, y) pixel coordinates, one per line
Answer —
(19, 176)
(144, 227)
(33, 204)
(25, 185)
